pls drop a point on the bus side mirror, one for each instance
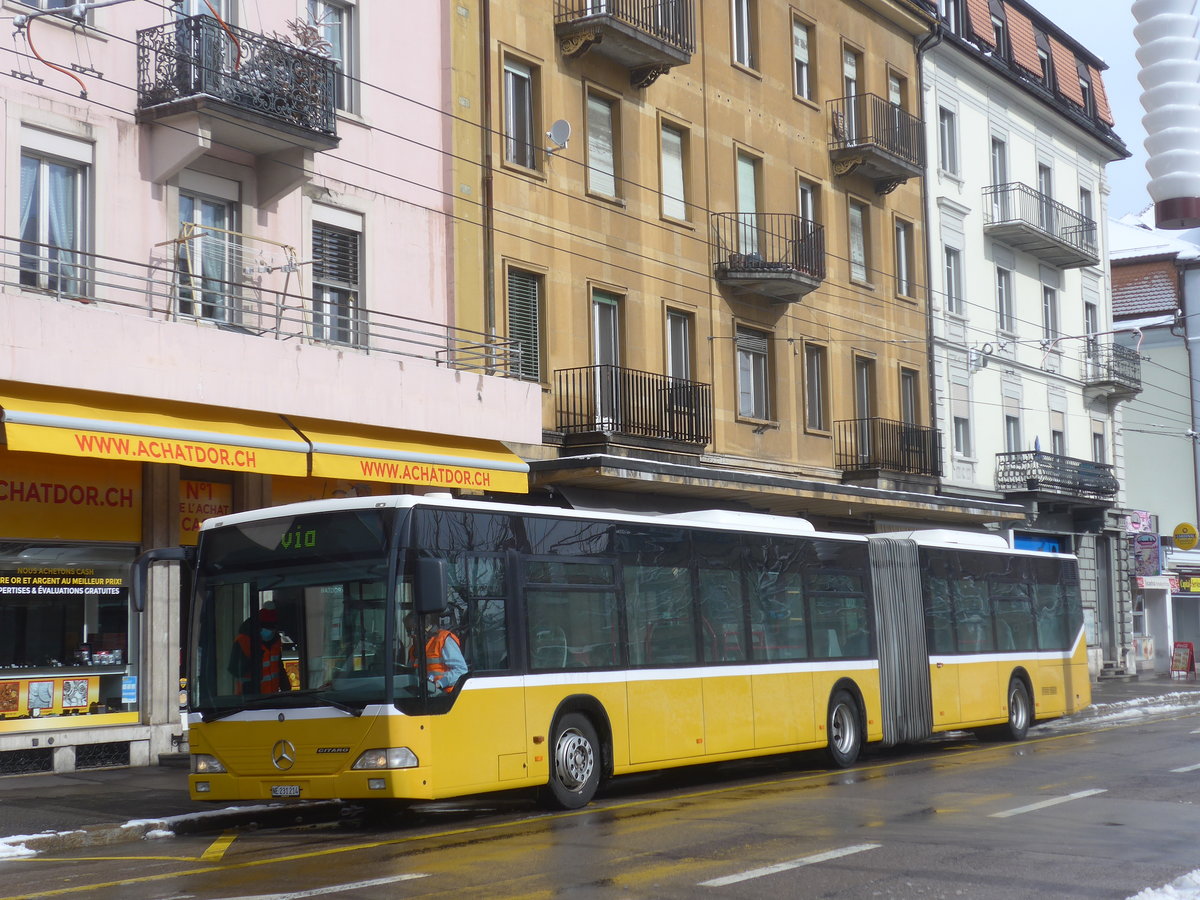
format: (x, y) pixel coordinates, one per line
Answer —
(430, 585)
(140, 570)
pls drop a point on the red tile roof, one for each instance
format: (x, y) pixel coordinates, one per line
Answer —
(1144, 288)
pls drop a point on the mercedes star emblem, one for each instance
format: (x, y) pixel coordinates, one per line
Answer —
(283, 755)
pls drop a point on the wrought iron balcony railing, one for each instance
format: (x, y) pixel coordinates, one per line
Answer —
(1032, 471)
(260, 306)
(876, 138)
(1028, 220)
(199, 61)
(616, 400)
(779, 255)
(648, 38)
(1112, 368)
(868, 444)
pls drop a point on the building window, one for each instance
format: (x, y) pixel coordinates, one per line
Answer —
(1058, 433)
(206, 258)
(962, 435)
(748, 170)
(1085, 88)
(1004, 301)
(1012, 434)
(947, 140)
(806, 200)
(337, 300)
(679, 345)
(744, 38)
(1099, 444)
(525, 321)
(1049, 313)
(909, 402)
(752, 366)
(1047, 71)
(954, 280)
(904, 258)
(851, 65)
(334, 21)
(185, 10)
(1086, 206)
(802, 80)
(952, 14)
(601, 145)
(519, 117)
(1045, 186)
(53, 222)
(859, 241)
(1000, 32)
(674, 173)
(816, 391)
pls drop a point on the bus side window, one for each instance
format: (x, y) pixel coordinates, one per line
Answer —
(939, 606)
(973, 608)
(721, 615)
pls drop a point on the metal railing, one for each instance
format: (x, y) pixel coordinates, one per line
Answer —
(1018, 202)
(612, 399)
(1033, 470)
(254, 306)
(875, 443)
(768, 242)
(201, 56)
(867, 119)
(671, 21)
(1112, 363)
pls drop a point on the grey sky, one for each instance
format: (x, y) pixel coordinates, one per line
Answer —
(1105, 27)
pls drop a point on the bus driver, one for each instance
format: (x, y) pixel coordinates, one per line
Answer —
(443, 655)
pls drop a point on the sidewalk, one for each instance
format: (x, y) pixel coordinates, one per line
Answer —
(47, 813)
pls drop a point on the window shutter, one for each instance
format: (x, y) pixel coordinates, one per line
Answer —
(524, 326)
(335, 255)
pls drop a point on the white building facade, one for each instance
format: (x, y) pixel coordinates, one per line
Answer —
(1027, 381)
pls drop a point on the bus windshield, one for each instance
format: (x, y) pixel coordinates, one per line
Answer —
(294, 611)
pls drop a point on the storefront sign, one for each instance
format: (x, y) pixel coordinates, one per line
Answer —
(45, 497)
(1185, 535)
(1147, 554)
(1138, 522)
(1183, 658)
(129, 689)
(1189, 584)
(200, 500)
(37, 697)
(1158, 582)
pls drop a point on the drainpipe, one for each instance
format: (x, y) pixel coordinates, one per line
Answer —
(488, 175)
(928, 42)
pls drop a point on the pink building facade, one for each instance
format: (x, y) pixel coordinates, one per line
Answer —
(225, 272)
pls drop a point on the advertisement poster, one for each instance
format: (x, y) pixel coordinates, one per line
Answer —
(1147, 554)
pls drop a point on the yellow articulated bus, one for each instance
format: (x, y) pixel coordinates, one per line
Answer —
(573, 646)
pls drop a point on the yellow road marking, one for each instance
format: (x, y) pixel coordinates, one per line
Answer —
(218, 847)
(475, 829)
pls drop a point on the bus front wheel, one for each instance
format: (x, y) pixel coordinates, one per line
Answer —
(844, 730)
(574, 763)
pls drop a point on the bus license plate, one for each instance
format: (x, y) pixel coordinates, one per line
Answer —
(285, 790)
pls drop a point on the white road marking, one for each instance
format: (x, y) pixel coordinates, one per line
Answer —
(1044, 803)
(334, 888)
(784, 866)
(1188, 768)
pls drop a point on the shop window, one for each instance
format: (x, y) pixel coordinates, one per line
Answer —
(66, 643)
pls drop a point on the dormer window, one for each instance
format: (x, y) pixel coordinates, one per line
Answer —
(1000, 29)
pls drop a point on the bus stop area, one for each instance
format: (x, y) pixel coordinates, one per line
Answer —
(93, 808)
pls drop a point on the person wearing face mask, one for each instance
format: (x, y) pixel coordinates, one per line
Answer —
(256, 660)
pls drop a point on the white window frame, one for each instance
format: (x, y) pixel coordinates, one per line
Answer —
(524, 311)
(54, 268)
(742, 33)
(952, 260)
(802, 41)
(520, 124)
(338, 315)
(816, 389)
(602, 140)
(1050, 325)
(1005, 309)
(674, 146)
(336, 21)
(948, 140)
(753, 372)
(859, 217)
(905, 259)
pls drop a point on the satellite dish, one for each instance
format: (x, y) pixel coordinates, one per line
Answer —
(559, 133)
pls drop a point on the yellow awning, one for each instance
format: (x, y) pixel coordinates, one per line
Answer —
(109, 426)
(362, 453)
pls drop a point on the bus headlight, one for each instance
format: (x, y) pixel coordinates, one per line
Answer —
(203, 764)
(386, 758)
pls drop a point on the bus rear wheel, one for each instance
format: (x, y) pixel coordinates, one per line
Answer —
(1020, 716)
(574, 764)
(844, 730)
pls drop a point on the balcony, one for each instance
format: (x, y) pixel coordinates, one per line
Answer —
(646, 38)
(776, 255)
(874, 444)
(1027, 220)
(1111, 370)
(596, 404)
(1033, 472)
(249, 292)
(877, 139)
(234, 87)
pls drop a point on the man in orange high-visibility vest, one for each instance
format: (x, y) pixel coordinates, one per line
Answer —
(444, 662)
(266, 676)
